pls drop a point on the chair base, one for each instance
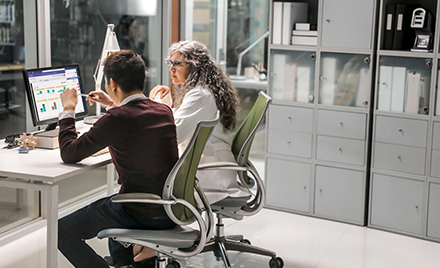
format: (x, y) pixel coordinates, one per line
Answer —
(220, 245)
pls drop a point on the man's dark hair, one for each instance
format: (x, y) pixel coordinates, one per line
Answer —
(127, 69)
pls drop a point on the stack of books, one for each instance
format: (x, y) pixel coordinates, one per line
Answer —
(302, 35)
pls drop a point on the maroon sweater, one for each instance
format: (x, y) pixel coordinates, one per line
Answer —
(141, 136)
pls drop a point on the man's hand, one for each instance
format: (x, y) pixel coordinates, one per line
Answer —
(99, 97)
(69, 98)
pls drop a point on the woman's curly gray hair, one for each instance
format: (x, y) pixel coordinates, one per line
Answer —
(204, 72)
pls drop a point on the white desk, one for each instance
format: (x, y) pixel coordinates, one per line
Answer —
(39, 170)
(250, 84)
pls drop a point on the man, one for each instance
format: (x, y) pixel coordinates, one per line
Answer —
(141, 137)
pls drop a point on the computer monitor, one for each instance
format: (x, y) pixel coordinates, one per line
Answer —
(43, 87)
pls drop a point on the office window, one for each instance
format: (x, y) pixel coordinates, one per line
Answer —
(78, 29)
(227, 28)
(12, 60)
(17, 207)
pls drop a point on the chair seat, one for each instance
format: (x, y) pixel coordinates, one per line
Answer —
(232, 202)
(178, 237)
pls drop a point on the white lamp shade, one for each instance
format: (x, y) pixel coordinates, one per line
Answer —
(111, 43)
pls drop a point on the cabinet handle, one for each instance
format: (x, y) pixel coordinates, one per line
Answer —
(312, 56)
(367, 60)
(365, 102)
(311, 97)
(290, 118)
(322, 78)
(400, 130)
(288, 142)
(416, 207)
(320, 191)
(340, 149)
(342, 124)
(400, 158)
(305, 188)
(327, 20)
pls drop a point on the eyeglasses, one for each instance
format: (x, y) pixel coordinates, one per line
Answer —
(176, 64)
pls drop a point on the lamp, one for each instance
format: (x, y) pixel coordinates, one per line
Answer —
(110, 45)
(240, 56)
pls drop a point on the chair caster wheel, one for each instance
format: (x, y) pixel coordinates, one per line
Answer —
(276, 263)
(246, 241)
(173, 264)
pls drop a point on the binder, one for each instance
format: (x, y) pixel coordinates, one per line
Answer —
(398, 89)
(390, 12)
(412, 93)
(385, 84)
(363, 88)
(289, 82)
(403, 37)
(303, 84)
(277, 23)
(328, 81)
(437, 107)
(279, 76)
(293, 12)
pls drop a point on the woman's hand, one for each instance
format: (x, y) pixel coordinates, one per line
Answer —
(99, 97)
(162, 94)
(159, 91)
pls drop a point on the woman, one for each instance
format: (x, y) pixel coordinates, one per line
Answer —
(200, 89)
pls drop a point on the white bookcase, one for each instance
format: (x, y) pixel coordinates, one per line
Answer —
(317, 153)
(405, 158)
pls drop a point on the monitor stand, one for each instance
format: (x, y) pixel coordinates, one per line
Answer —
(48, 138)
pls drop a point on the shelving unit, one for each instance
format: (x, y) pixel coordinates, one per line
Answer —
(405, 178)
(317, 156)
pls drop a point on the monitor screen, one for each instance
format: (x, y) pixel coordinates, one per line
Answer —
(44, 85)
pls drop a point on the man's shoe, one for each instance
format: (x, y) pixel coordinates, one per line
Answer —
(148, 263)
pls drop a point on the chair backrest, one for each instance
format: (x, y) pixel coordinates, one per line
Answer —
(181, 180)
(245, 134)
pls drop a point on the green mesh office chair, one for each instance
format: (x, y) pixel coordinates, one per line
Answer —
(178, 199)
(237, 208)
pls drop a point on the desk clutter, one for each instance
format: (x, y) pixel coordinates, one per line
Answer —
(291, 25)
(408, 27)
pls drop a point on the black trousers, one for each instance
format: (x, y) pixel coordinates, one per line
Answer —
(88, 221)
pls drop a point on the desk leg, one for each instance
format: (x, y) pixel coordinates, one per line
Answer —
(110, 179)
(51, 214)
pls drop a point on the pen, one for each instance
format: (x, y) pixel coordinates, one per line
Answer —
(87, 95)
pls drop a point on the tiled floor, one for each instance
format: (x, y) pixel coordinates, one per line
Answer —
(303, 242)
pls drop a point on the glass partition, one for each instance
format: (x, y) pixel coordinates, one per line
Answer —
(404, 85)
(12, 60)
(292, 76)
(78, 29)
(345, 80)
(17, 207)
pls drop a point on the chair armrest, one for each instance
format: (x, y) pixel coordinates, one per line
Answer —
(141, 198)
(221, 165)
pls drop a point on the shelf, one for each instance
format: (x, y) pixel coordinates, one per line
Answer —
(8, 67)
(292, 47)
(402, 53)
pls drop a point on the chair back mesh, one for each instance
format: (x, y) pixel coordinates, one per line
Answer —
(245, 134)
(183, 187)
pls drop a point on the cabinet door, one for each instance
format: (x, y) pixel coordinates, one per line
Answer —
(347, 23)
(289, 143)
(288, 185)
(290, 118)
(434, 211)
(342, 124)
(340, 194)
(397, 203)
